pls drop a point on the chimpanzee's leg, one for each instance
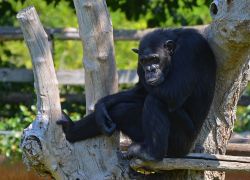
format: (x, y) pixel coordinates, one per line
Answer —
(128, 119)
(126, 115)
(180, 140)
(133, 96)
(156, 127)
(79, 130)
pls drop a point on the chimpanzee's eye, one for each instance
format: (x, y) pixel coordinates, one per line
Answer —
(155, 59)
(142, 60)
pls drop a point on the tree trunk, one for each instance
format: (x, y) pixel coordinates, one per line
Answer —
(229, 38)
(44, 146)
(43, 136)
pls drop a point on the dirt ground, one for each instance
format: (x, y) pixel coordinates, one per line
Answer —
(17, 171)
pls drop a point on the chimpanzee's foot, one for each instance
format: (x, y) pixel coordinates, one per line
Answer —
(138, 151)
(66, 124)
(199, 149)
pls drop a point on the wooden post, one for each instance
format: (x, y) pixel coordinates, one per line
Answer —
(40, 138)
(96, 33)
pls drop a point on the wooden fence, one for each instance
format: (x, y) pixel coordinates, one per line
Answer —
(10, 33)
(67, 77)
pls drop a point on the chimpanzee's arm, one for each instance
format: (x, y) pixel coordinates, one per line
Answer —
(173, 92)
(174, 100)
(180, 82)
(102, 107)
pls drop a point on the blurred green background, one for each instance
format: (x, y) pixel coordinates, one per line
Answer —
(125, 14)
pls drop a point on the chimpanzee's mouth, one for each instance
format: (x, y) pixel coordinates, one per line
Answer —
(153, 78)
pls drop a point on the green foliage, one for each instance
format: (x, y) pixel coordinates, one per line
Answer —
(6, 13)
(163, 12)
(243, 116)
(14, 118)
(125, 58)
(14, 54)
(51, 14)
(66, 52)
(154, 12)
(243, 119)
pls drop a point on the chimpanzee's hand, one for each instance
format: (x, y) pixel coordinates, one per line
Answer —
(103, 120)
(66, 123)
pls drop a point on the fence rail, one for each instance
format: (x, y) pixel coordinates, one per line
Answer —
(11, 33)
(69, 77)
(65, 77)
(29, 98)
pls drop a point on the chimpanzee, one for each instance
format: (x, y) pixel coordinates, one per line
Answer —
(164, 112)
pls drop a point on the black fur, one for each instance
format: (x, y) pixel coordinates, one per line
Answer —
(163, 118)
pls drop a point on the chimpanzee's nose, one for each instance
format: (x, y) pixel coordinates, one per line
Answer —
(151, 68)
(148, 68)
(154, 67)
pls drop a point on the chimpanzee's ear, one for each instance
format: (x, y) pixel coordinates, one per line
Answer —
(135, 50)
(170, 46)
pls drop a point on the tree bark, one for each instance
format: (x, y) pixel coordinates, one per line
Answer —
(229, 37)
(44, 146)
(42, 138)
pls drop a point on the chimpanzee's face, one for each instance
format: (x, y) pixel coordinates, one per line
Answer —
(155, 62)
